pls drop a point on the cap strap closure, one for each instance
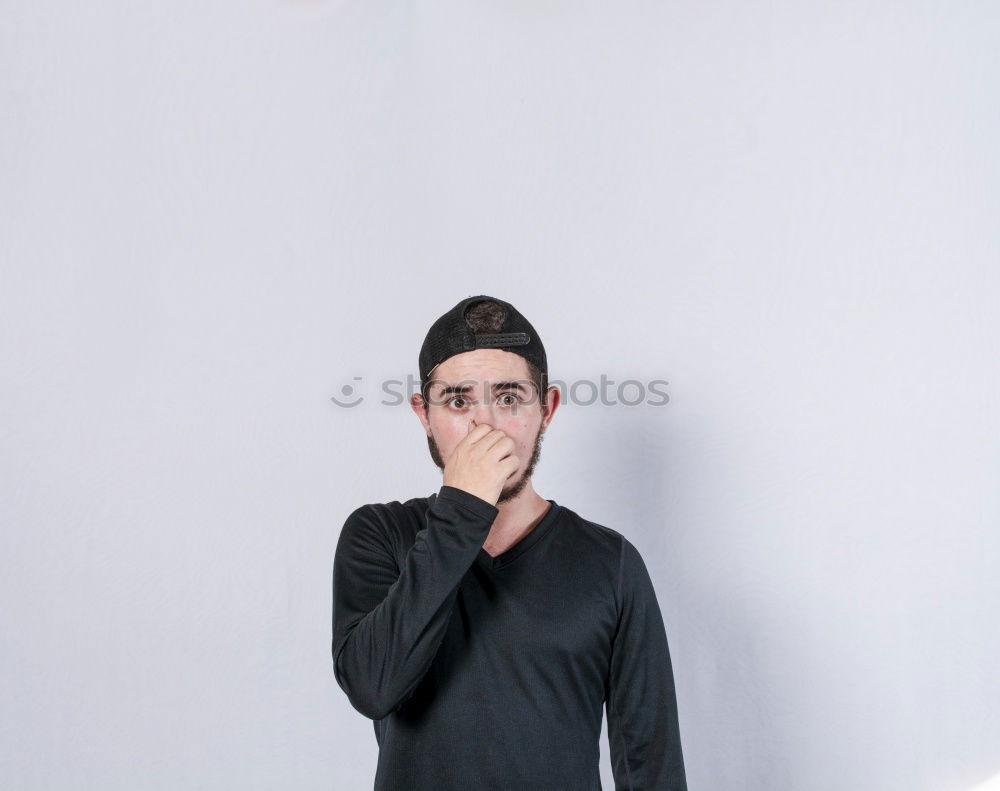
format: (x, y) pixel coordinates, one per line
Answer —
(502, 339)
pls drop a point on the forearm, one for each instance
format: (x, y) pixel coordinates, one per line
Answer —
(380, 656)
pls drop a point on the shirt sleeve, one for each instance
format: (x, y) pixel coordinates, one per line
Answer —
(388, 622)
(641, 703)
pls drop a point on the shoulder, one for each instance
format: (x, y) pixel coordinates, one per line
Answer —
(391, 511)
(620, 555)
(594, 547)
(600, 537)
(383, 524)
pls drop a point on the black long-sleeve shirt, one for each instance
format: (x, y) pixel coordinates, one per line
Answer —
(490, 673)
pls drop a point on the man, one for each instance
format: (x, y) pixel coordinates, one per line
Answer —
(483, 628)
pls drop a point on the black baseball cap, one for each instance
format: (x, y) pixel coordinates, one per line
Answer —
(451, 334)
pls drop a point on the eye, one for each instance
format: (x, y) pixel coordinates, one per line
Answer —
(510, 395)
(453, 399)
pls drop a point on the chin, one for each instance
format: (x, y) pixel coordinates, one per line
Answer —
(513, 491)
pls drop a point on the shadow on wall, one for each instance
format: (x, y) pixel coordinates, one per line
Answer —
(645, 468)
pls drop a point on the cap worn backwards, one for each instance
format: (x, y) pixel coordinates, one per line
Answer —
(452, 334)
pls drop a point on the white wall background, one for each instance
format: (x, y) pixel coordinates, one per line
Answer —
(214, 215)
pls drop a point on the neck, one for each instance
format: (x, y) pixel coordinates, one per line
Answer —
(518, 515)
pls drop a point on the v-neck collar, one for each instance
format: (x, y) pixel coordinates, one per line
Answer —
(486, 560)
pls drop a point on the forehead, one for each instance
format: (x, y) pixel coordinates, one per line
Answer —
(481, 365)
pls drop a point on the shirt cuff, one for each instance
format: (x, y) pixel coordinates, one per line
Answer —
(471, 502)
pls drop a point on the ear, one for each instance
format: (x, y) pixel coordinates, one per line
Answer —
(417, 405)
(552, 404)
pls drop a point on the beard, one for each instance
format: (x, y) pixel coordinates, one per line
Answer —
(508, 492)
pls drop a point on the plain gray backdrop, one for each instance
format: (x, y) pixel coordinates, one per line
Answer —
(216, 215)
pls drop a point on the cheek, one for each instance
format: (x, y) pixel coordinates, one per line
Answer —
(448, 432)
(521, 431)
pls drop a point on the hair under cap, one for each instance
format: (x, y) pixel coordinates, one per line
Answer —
(452, 334)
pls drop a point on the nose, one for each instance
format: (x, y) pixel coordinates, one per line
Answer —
(482, 413)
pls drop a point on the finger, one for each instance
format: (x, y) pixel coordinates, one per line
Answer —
(514, 462)
(491, 441)
(474, 433)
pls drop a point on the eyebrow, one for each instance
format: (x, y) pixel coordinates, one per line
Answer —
(499, 386)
